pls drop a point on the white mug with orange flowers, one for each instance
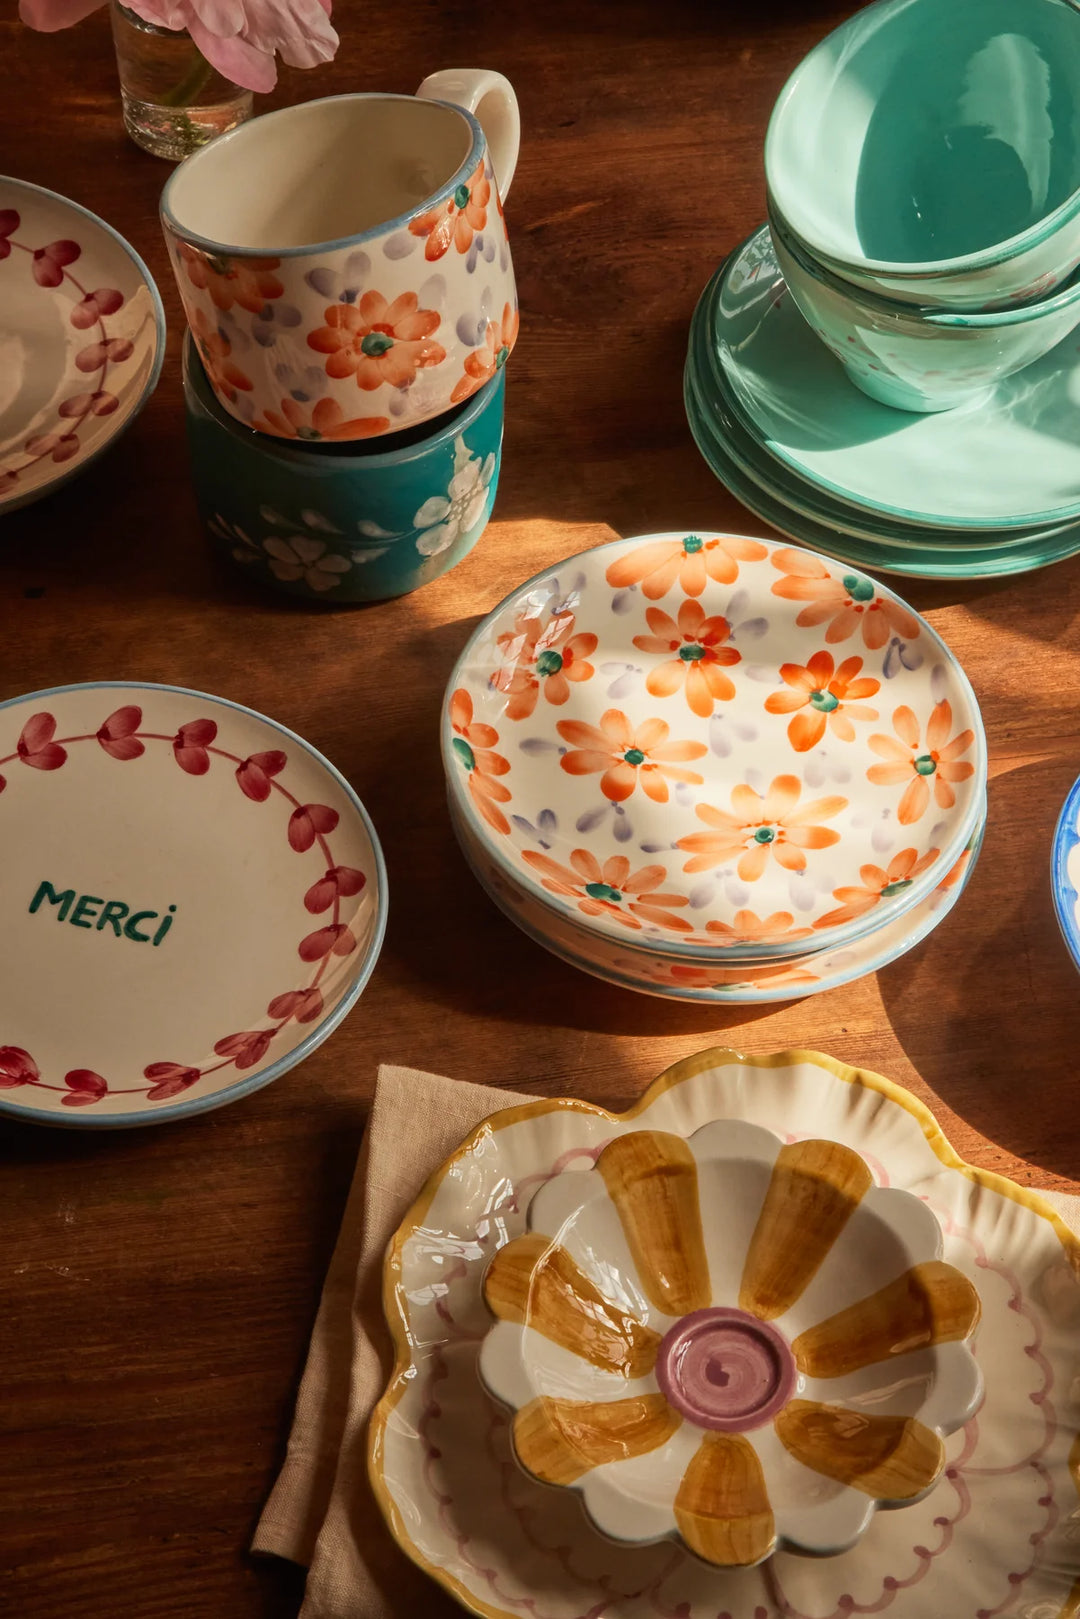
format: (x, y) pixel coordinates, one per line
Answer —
(344, 264)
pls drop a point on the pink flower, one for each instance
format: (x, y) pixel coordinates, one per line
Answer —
(238, 37)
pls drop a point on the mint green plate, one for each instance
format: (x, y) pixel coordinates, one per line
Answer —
(742, 467)
(1009, 461)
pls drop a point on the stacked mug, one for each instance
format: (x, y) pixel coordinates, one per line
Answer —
(932, 239)
(346, 276)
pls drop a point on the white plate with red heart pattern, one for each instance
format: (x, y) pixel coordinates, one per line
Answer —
(192, 899)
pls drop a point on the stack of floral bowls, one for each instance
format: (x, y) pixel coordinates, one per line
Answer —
(714, 768)
(348, 327)
(887, 368)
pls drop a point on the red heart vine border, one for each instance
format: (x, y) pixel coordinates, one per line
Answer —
(309, 826)
(49, 266)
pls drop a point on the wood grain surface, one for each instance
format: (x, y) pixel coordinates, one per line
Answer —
(159, 1286)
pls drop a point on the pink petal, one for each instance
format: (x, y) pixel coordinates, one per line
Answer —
(307, 821)
(245, 65)
(17, 1067)
(338, 939)
(122, 722)
(91, 358)
(9, 217)
(91, 1086)
(76, 405)
(47, 16)
(254, 782)
(104, 403)
(299, 30)
(304, 1005)
(199, 733)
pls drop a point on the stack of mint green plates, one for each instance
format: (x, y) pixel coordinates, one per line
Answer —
(990, 488)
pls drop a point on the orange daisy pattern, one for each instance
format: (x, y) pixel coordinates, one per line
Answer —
(459, 221)
(700, 656)
(323, 420)
(491, 356)
(773, 977)
(625, 755)
(376, 342)
(936, 761)
(746, 928)
(214, 350)
(549, 657)
(821, 695)
(877, 885)
(692, 561)
(251, 283)
(611, 889)
(472, 743)
(756, 828)
(846, 605)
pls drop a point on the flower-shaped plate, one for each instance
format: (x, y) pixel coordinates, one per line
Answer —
(1065, 871)
(736, 1341)
(82, 338)
(700, 741)
(996, 1535)
(192, 899)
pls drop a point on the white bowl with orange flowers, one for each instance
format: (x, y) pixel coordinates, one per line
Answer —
(713, 749)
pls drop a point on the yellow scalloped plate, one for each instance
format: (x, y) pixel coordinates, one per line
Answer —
(995, 1536)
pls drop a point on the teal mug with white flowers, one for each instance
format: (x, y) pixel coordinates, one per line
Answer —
(344, 522)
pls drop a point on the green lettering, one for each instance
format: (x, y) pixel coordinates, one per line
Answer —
(113, 915)
(166, 924)
(46, 891)
(131, 931)
(82, 910)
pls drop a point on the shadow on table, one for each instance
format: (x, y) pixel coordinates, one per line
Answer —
(1006, 1062)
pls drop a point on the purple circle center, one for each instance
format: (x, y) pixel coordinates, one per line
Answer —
(725, 1370)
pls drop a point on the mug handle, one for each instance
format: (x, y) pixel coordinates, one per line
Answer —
(491, 97)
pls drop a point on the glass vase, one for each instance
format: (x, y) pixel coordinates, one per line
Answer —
(174, 101)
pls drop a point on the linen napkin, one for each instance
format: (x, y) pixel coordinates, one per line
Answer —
(321, 1512)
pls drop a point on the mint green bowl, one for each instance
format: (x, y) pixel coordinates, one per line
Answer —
(930, 150)
(921, 359)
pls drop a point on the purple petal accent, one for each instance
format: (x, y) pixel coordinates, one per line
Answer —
(470, 330)
(591, 819)
(323, 281)
(400, 245)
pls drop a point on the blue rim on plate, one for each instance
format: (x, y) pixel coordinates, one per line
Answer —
(1066, 897)
(153, 376)
(170, 1112)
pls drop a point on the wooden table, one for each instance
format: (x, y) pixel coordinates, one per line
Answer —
(159, 1286)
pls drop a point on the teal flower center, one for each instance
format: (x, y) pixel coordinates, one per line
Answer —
(765, 834)
(925, 764)
(549, 663)
(603, 891)
(634, 756)
(692, 654)
(376, 343)
(692, 544)
(891, 889)
(220, 266)
(860, 590)
(502, 357)
(308, 432)
(824, 701)
(464, 752)
(461, 196)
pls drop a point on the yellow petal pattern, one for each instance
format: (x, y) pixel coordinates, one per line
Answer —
(651, 1178)
(889, 1458)
(815, 1188)
(722, 1508)
(535, 1283)
(559, 1440)
(929, 1304)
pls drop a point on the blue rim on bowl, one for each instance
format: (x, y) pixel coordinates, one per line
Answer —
(244, 132)
(1063, 881)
